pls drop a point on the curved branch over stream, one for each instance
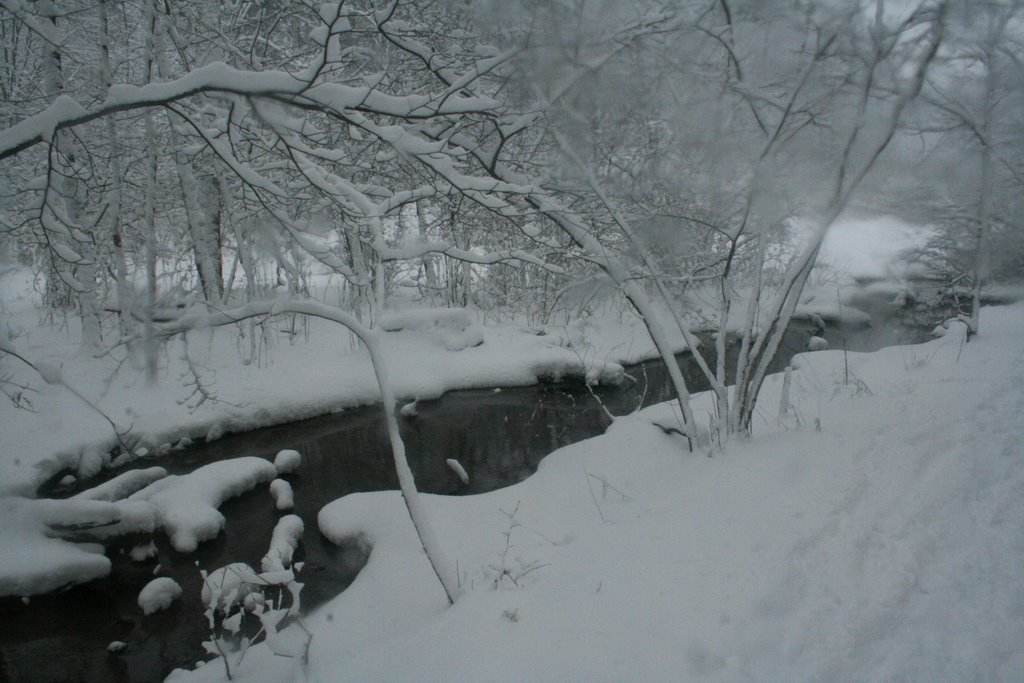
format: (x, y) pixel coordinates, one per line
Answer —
(371, 339)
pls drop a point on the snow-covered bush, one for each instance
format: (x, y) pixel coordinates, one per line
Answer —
(244, 607)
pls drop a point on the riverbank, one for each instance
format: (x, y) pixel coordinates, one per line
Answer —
(319, 370)
(302, 369)
(872, 534)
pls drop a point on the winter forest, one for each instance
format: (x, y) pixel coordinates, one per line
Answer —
(548, 340)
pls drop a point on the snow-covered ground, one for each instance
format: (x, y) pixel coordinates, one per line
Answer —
(886, 546)
(873, 534)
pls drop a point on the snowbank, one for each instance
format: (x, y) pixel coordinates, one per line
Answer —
(49, 544)
(885, 546)
(298, 379)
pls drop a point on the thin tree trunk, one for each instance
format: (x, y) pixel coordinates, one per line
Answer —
(70, 215)
(124, 292)
(149, 342)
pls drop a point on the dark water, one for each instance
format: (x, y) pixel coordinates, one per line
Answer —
(498, 436)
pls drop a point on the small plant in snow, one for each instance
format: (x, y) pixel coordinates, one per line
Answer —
(854, 386)
(506, 570)
(605, 488)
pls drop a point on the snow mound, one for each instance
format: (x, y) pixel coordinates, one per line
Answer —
(284, 498)
(159, 594)
(186, 505)
(283, 543)
(817, 344)
(49, 543)
(143, 552)
(287, 461)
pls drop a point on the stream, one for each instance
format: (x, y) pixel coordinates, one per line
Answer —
(498, 435)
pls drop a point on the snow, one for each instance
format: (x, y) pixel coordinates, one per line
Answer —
(886, 546)
(284, 497)
(287, 534)
(48, 543)
(143, 552)
(325, 374)
(159, 594)
(287, 461)
(817, 344)
(460, 471)
(227, 586)
(123, 485)
(452, 328)
(186, 505)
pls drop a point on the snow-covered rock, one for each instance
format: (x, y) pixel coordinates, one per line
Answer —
(287, 461)
(284, 497)
(283, 543)
(143, 552)
(817, 344)
(159, 594)
(186, 505)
